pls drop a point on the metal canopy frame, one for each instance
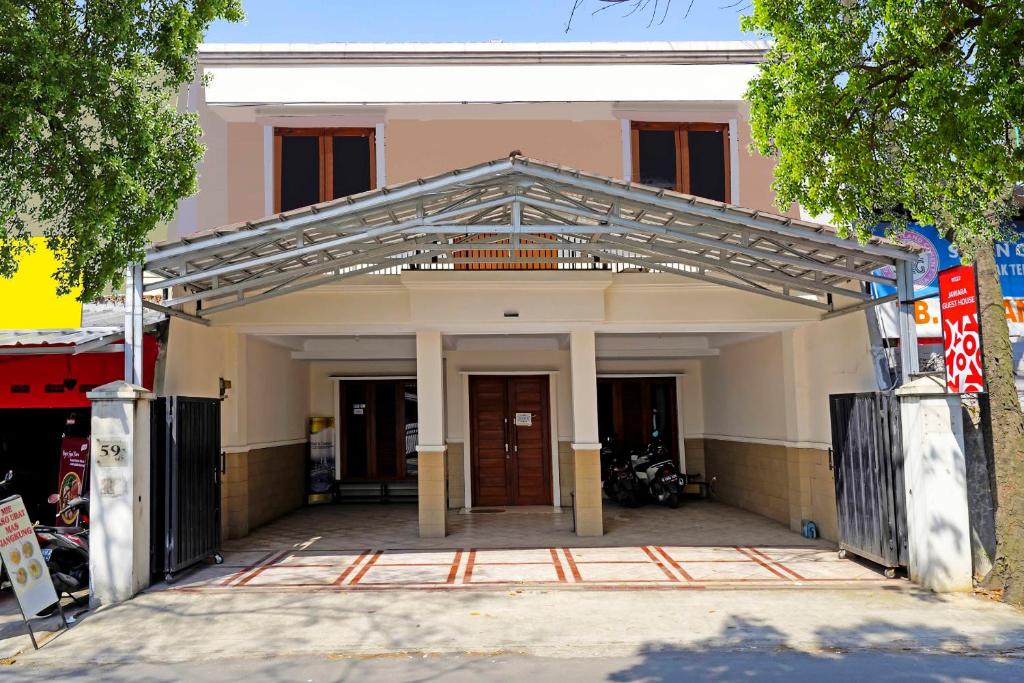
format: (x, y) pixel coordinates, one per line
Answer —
(516, 213)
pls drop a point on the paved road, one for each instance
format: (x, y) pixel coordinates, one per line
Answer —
(654, 667)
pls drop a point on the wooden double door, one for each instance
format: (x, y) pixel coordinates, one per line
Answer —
(510, 440)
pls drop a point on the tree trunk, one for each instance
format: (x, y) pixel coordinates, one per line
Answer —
(1005, 430)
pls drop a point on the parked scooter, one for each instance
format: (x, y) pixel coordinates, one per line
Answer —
(660, 478)
(648, 475)
(66, 548)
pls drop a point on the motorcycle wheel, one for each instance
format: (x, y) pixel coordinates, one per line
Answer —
(672, 501)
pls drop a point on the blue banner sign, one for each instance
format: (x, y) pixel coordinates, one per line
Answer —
(938, 254)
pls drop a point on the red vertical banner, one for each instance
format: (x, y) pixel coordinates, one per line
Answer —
(74, 460)
(961, 335)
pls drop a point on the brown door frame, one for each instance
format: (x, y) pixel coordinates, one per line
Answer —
(511, 469)
(370, 384)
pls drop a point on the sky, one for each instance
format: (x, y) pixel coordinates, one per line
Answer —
(289, 21)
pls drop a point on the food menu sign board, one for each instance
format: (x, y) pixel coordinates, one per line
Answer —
(20, 553)
(961, 336)
(74, 459)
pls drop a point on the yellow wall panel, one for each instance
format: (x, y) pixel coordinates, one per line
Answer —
(29, 300)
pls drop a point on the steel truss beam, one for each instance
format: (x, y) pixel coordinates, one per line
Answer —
(520, 210)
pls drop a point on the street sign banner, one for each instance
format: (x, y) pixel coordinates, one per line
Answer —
(961, 337)
(23, 560)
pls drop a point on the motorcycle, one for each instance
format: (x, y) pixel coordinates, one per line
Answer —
(66, 548)
(649, 475)
(660, 478)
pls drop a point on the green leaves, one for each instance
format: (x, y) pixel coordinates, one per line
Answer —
(877, 109)
(92, 149)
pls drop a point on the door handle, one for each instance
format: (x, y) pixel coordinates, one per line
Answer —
(506, 439)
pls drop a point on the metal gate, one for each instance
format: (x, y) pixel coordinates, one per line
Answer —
(867, 457)
(186, 478)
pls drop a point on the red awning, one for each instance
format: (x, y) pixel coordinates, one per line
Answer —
(61, 380)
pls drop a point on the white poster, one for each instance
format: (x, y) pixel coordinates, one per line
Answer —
(20, 553)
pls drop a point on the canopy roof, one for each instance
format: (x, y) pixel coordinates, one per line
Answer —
(520, 213)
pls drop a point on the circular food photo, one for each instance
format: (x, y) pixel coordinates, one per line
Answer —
(35, 569)
(26, 549)
(15, 556)
(21, 576)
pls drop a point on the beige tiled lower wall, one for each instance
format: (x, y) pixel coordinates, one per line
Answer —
(456, 476)
(261, 485)
(694, 455)
(784, 483)
(566, 472)
(457, 469)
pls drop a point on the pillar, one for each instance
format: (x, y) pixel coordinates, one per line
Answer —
(119, 495)
(935, 479)
(586, 443)
(431, 449)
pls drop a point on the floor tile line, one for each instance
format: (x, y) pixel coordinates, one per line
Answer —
(454, 571)
(654, 559)
(467, 576)
(764, 564)
(348, 570)
(274, 557)
(573, 569)
(249, 567)
(777, 563)
(559, 572)
(675, 565)
(357, 577)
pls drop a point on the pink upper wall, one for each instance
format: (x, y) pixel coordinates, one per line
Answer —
(420, 148)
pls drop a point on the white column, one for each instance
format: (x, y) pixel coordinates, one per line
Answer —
(133, 324)
(583, 355)
(586, 445)
(909, 358)
(119, 495)
(431, 449)
(935, 480)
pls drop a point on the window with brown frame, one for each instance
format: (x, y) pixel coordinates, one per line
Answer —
(317, 164)
(692, 158)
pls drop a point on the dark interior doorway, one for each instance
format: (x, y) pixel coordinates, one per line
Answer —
(378, 429)
(30, 444)
(632, 409)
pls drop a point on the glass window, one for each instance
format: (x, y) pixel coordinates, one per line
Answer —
(692, 158)
(707, 163)
(319, 164)
(658, 158)
(350, 164)
(300, 171)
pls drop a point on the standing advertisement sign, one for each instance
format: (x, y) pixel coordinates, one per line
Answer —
(24, 562)
(74, 459)
(321, 456)
(961, 336)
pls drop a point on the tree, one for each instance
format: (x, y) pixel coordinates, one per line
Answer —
(94, 152)
(877, 110)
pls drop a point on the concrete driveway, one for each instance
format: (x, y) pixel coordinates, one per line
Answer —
(230, 614)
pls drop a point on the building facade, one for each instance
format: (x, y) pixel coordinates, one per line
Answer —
(482, 260)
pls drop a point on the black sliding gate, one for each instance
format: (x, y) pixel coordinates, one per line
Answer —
(867, 454)
(185, 478)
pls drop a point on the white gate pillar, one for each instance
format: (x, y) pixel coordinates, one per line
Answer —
(935, 479)
(586, 445)
(119, 495)
(433, 501)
